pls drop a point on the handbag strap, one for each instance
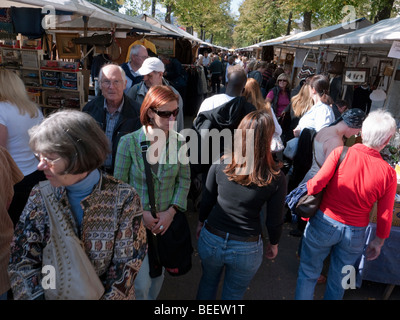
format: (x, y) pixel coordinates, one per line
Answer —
(149, 178)
(58, 224)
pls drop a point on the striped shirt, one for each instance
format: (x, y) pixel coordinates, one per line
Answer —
(172, 180)
(111, 122)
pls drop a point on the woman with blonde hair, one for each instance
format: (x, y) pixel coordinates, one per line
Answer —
(229, 228)
(17, 115)
(252, 93)
(279, 96)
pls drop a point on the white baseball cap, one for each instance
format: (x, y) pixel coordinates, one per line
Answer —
(150, 65)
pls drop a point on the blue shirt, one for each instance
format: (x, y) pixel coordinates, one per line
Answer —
(111, 122)
(80, 190)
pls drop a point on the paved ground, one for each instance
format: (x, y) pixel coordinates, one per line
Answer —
(275, 280)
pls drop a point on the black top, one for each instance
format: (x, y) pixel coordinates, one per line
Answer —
(231, 207)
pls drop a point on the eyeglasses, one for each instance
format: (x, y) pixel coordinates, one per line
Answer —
(142, 57)
(107, 83)
(166, 114)
(49, 163)
(282, 80)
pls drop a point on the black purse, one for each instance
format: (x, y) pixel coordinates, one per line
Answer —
(308, 205)
(174, 249)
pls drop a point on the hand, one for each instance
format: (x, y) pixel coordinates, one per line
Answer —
(374, 248)
(296, 132)
(164, 221)
(148, 220)
(198, 229)
(272, 251)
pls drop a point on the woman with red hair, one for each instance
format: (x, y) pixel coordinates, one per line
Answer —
(171, 176)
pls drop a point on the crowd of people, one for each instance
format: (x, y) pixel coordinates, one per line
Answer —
(92, 163)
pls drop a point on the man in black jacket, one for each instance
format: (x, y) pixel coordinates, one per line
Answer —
(114, 111)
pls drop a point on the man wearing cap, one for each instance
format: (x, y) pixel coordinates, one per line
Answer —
(113, 110)
(137, 55)
(152, 71)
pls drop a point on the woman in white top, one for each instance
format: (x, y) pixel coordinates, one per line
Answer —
(18, 113)
(321, 114)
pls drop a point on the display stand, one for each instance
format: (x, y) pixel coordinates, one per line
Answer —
(51, 84)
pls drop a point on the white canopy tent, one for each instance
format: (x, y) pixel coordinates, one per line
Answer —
(99, 20)
(377, 36)
(376, 40)
(170, 27)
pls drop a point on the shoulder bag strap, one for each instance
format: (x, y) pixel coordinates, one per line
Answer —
(149, 178)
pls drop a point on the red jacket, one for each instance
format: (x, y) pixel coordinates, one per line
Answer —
(362, 179)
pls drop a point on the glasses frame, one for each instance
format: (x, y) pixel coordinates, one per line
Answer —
(166, 114)
(141, 57)
(115, 83)
(49, 163)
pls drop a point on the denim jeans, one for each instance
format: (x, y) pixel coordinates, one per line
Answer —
(240, 260)
(324, 235)
(147, 288)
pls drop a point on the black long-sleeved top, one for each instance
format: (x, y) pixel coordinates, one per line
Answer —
(231, 207)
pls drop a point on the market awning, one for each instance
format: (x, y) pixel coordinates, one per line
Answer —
(378, 35)
(99, 17)
(168, 26)
(302, 38)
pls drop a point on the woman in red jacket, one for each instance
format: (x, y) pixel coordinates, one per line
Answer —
(338, 228)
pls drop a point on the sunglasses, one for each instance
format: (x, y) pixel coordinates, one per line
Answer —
(282, 80)
(166, 114)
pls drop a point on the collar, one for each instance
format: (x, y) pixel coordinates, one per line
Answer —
(119, 110)
(367, 150)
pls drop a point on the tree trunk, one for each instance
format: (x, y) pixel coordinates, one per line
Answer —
(307, 20)
(384, 10)
(168, 14)
(289, 25)
(153, 8)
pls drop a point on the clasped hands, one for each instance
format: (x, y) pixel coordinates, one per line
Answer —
(160, 224)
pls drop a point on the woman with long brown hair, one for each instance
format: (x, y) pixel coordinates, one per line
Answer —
(229, 229)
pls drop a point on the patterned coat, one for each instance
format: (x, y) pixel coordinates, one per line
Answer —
(112, 233)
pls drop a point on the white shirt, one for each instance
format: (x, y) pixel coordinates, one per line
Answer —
(18, 138)
(206, 61)
(128, 80)
(318, 117)
(214, 102)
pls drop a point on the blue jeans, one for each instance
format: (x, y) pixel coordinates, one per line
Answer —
(324, 235)
(240, 260)
(147, 288)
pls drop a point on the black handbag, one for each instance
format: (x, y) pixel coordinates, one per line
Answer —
(336, 66)
(308, 204)
(172, 250)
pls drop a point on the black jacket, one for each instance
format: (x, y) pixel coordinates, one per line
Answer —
(226, 116)
(129, 119)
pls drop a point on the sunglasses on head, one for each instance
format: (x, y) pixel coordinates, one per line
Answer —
(166, 114)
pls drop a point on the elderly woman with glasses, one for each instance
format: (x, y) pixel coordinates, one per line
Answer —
(279, 96)
(103, 212)
(171, 175)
